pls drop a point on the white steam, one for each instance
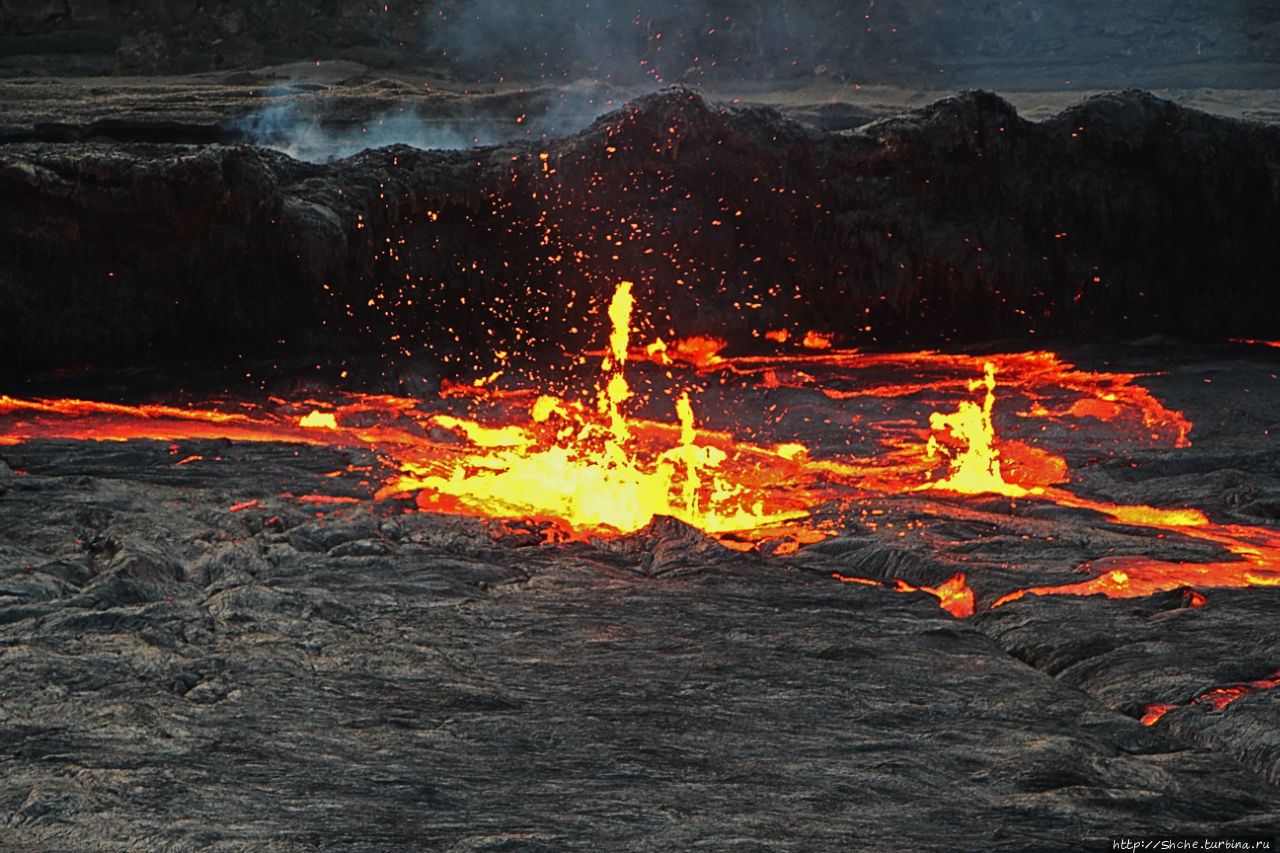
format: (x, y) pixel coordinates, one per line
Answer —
(314, 130)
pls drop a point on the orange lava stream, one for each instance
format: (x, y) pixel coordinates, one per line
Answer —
(95, 421)
(1215, 699)
(563, 464)
(954, 595)
(1052, 389)
(596, 470)
(1256, 551)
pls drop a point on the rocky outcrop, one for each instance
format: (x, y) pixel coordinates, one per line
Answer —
(1124, 215)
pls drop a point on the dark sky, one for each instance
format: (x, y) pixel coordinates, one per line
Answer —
(976, 42)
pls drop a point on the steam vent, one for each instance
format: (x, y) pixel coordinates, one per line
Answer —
(576, 426)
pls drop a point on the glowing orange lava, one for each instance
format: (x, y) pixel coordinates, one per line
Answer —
(954, 595)
(975, 469)
(603, 472)
(1255, 552)
(1215, 699)
(924, 423)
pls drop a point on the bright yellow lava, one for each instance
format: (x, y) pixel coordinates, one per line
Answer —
(601, 472)
(975, 469)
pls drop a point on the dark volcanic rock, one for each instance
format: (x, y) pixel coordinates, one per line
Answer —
(460, 688)
(1124, 215)
(140, 252)
(292, 675)
(1170, 654)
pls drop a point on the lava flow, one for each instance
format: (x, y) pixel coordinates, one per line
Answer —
(1215, 699)
(831, 428)
(603, 472)
(954, 596)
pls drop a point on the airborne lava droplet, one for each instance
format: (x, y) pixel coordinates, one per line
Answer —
(502, 450)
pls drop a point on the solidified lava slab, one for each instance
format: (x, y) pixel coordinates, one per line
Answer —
(1124, 214)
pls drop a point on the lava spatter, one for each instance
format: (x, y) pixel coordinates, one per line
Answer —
(975, 467)
(603, 472)
(591, 467)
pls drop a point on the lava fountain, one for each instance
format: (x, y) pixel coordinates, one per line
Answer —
(602, 472)
(587, 466)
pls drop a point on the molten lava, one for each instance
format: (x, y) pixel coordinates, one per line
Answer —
(975, 469)
(954, 595)
(603, 472)
(893, 424)
(1215, 699)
